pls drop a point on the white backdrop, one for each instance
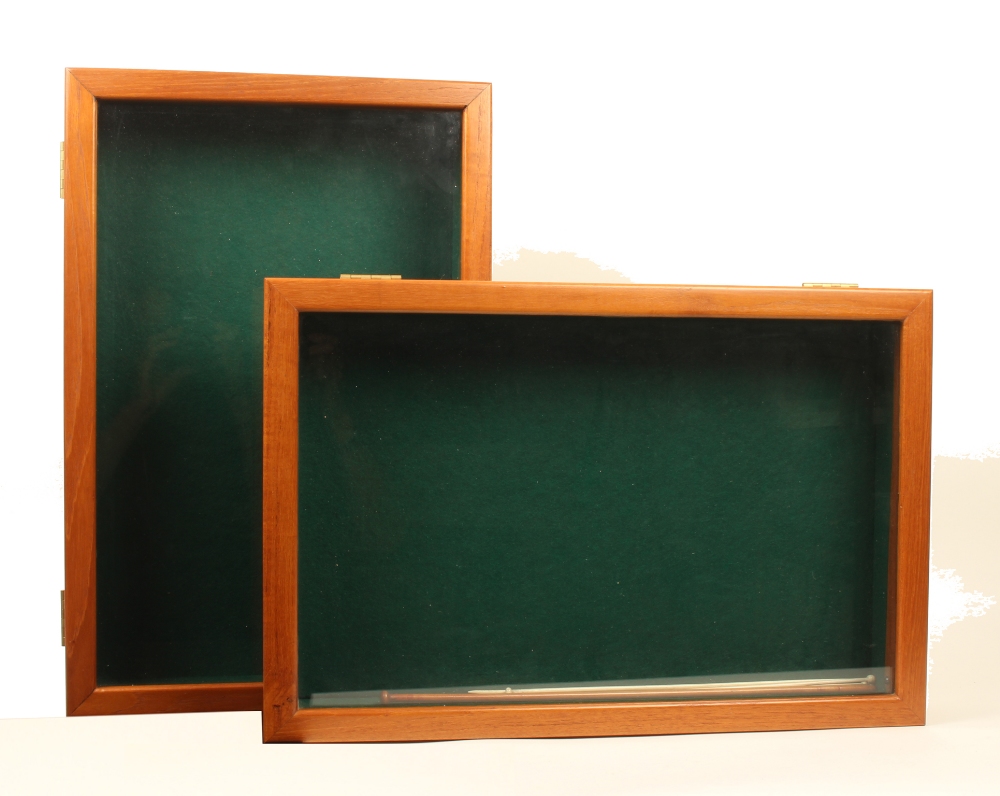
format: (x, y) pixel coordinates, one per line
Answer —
(711, 142)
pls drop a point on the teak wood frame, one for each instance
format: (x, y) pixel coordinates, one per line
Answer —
(85, 89)
(906, 645)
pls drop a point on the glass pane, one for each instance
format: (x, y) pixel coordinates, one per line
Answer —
(495, 507)
(197, 203)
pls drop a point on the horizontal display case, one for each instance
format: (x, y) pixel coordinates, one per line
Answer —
(527, 510)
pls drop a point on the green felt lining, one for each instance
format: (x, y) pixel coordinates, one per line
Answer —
(505, 500)
(197, 203)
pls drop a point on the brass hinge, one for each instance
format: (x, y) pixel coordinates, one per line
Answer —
(62, 169)
(370, 276)
(829, 284)
(62, 614)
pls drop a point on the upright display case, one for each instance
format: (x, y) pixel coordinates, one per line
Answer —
(183, 192)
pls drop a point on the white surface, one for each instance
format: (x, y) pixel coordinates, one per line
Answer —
(222, 754)
(763, 143)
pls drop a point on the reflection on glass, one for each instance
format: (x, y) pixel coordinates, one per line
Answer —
(840, 682)
(583, 508)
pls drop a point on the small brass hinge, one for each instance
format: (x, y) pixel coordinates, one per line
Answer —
(370, 276)
(62, 171)
(829, 284)
(62, 614)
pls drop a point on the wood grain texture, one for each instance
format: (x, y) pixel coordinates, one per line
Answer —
(84, 89)
(150, 84)
(326, 725)
(912, 546)
(284, 722)
(80, 393)
(194, 698)
(281, 510)
(605, 299)
(477, 188)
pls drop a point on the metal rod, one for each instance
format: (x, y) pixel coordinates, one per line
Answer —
(826, 685)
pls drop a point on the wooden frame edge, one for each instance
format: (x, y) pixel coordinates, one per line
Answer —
(912, 546)
(284, 722)
(353, 725)
(281, 421)
(180, 86)
(193, 698)
(477, 188)
(319, 295)
(80, 393)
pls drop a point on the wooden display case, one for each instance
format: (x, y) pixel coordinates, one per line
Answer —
(540, 510)
(183, 191)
